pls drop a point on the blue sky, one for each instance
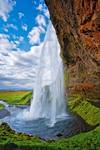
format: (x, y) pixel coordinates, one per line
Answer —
(22, 30)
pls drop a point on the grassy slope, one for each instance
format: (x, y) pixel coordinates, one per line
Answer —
(77, 104)
(16, 97)
(81, 106)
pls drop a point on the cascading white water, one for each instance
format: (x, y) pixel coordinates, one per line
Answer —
(48, 98)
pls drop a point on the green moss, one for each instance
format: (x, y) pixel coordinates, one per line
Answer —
(84, 108)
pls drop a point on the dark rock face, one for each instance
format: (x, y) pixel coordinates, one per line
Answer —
(77, 24)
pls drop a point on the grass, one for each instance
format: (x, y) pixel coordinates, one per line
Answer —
(1, 106)
(16, 97)
(83, 141)
(85, 109)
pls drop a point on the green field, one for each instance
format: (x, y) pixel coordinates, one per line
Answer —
(16, 97)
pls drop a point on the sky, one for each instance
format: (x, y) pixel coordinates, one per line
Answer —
(22, 30)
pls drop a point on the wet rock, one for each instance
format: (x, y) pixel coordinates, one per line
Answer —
(75, 126)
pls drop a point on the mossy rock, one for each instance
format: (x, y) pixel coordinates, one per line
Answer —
(84, 108)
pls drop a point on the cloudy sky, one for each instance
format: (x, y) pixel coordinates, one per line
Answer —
(22, 31)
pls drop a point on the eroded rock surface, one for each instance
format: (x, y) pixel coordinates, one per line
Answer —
(77, 24)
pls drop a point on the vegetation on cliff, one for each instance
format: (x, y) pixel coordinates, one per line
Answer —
(84, 108)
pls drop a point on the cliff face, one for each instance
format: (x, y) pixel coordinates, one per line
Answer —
(77, 24)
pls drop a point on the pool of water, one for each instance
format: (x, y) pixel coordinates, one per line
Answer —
(40, 127)
(37, 127)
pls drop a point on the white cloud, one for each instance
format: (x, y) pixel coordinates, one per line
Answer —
(18, 40)
(34, 35)
(42, 29)
(6, 6)
(24, 27)
(40, 7)
(5, 44)
(20, 14)
(21, 38)
(46, 13)
(19, 68)
(5, 29)
(10, 26)
(40, 19)
(14, 36)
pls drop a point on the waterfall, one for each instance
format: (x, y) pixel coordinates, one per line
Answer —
(48, 98)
